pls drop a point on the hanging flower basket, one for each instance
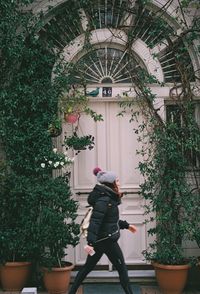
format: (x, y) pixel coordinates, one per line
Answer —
(79, 143)
(72, 103)
(71, 117)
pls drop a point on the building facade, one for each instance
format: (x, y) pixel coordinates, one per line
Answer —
(123, 35)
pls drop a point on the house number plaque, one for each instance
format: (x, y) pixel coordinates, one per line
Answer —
(107, 91)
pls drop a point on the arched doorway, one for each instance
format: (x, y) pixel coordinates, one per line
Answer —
(110, 69)
(111, 24)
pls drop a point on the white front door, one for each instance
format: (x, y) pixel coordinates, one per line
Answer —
(115, 149)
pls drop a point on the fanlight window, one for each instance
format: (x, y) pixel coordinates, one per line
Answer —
(108, 65)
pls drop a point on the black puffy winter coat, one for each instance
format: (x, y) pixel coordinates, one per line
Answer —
(104, 222)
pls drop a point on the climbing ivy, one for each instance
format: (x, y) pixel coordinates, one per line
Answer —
(28, 98)
(29, 103)
(170, 155)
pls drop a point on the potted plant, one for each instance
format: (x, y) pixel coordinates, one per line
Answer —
(55, 127)
(79, 143)
(169, 200)
(58, 230)
(72, 104)
(17, 245)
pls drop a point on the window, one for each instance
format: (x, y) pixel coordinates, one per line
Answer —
(107, 65)
(174, 114)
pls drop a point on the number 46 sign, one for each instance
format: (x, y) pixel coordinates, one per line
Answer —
(107, 91)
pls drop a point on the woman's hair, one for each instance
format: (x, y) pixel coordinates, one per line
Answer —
(114, 187)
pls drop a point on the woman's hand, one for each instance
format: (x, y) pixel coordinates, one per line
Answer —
(89, 250)
(132, 228)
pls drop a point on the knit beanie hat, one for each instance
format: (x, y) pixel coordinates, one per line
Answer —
(104, 176)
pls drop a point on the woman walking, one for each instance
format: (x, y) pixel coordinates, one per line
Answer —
(104, 229)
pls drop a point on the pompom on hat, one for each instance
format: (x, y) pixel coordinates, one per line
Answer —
(104, 176)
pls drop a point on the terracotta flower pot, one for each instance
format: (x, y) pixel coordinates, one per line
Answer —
(171, 278)
(14, 275)
(71, 118)
(57, 280)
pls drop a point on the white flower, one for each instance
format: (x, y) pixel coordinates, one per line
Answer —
(68, 159)
(57, 160)
(56, 164)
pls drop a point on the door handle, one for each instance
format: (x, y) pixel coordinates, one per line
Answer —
(82, 193)
(129, 192)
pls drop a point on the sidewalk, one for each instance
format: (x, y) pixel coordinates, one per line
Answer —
(113, 288)
(116, 289)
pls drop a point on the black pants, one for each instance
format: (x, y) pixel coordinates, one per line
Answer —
(115, 255)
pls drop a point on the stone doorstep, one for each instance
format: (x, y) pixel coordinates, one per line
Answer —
(137, 276)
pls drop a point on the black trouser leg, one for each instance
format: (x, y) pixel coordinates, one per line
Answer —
(128, 289)
(115, 255)
(90, 263)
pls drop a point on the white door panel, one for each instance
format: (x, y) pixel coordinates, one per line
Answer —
(123, 145)
(115, 149)
(133, 244)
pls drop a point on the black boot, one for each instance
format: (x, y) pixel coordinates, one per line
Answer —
(72, 290)
(128, 289)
